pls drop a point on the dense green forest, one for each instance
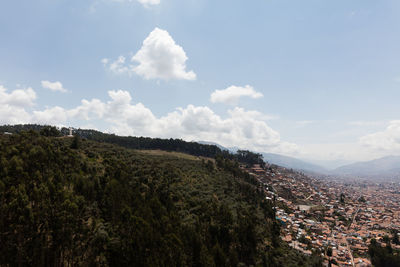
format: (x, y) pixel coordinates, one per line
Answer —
(133, 142)
(77, 202)
(384, 256)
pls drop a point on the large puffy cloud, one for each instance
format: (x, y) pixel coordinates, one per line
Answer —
(54, 86)
(88, 110)
(245, 129)
(54, 115)
(18, 97)
(387, 140)
(232, 94)
(16, 106)
(13, 115)
(158, 58)
(241, 128)
(13, 104)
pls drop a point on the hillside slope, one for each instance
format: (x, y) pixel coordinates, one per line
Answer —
(65, 201)
(292, 163)
(277, 159)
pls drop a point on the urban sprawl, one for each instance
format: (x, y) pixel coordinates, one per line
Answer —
(337, 219)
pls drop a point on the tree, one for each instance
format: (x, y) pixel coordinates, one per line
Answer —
(76, 142)
(329, 252)
(50, 131)
(383, 256)
(342, 197)
(395, 238)
(362, 199)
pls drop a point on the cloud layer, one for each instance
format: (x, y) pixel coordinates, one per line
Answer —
(12, 105)
(158, 58)
(241, 128)
(386, 140)
(232, 94)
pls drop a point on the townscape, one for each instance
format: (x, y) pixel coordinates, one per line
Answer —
(335, 218)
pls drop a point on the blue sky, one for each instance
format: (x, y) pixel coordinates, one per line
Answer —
(318, 80)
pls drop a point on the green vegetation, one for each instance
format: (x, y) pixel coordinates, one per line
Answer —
(76, 202)
(144, 143)
(342, 198)
(395, 238)
(383, 256)
(362, 199)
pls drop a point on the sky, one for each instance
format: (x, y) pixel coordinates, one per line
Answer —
(317, 80)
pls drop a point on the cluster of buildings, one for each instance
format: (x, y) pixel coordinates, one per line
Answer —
(335, 218)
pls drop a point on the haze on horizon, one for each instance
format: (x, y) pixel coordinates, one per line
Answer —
(315, 80)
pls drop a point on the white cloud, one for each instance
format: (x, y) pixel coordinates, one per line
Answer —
(13, 104)
(149, 2)
(13, 115)
(246, 129)
(118, 66)
(18, 97)
(145, 3)
(16, 108)
(232, 94)
(158, 58)
(88, 110)
(54, 116)
(386, 140)
(54, 86)
(241, 128)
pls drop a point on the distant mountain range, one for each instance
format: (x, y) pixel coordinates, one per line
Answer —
(384, 168)
(293, 163)
(284, 161)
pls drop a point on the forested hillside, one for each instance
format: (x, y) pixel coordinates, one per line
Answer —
(76, 202)
(134, 142)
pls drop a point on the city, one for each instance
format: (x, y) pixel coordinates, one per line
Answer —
(335, 218)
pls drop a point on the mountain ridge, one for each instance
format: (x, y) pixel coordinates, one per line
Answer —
(278, 159)
(387, 166)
